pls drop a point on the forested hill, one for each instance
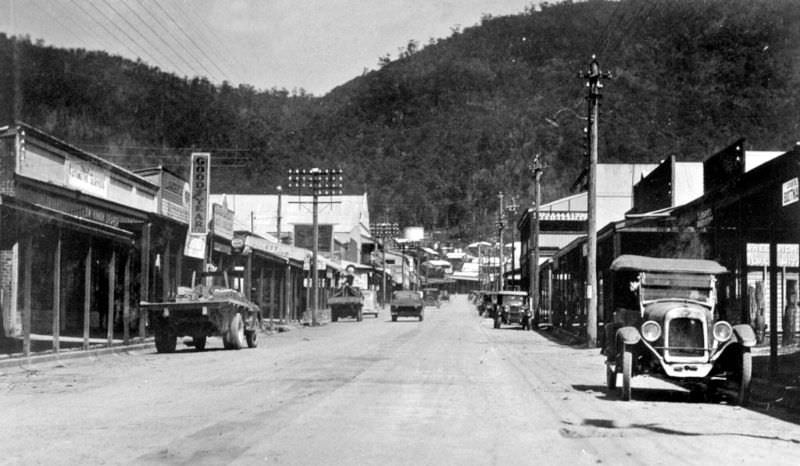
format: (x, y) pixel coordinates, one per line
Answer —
(434, 133)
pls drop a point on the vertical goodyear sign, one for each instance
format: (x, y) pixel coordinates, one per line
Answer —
(198, 208)
(200, 189)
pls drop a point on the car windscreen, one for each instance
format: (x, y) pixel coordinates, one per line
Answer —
(695, 287)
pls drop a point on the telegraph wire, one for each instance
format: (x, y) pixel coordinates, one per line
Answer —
(216, 42)
(166, 43)
(143, 36)
(172, 20)
(177, 40)
(189, 37)
(109, 32)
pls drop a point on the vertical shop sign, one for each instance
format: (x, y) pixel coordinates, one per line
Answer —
(198, 208)
(200, 189)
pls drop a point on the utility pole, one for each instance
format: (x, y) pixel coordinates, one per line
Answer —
(511, 208)
(500, 236)
(384, 231)
(593, 76)
(280, 192)
(319, 183)
(533, 266)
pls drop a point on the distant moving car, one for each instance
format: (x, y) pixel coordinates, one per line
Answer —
(430, 296)
(510, 308)
(406, 303)
(347, 301)
(664, 326)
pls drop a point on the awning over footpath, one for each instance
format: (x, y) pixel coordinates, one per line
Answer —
(85, 225)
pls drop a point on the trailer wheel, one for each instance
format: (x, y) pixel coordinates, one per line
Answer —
(166, 340)
(234, 337)
(199, 343)
(252, 338)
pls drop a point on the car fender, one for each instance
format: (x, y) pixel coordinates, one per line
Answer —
(628, 335)
(744, 334)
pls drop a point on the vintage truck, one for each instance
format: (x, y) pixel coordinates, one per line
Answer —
(665, 325)
(208, 309)
(347, 301)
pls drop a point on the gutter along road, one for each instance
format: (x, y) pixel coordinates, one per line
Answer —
(448, 390)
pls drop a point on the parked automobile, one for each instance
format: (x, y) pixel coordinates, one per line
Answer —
(406, 303)
(664, 326)
(511, 308)
(486, 302)
(430, 296)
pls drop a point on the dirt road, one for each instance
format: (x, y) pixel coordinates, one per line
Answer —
(449, 390)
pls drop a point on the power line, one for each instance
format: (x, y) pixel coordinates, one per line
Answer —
(136, 30)
(166, 13)
(191, 40)
(228, 57)
(166, 43)
(109, 32)
(172, 34)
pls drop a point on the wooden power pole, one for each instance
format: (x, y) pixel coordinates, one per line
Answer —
(593, 76)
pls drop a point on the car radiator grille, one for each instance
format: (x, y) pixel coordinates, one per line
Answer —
(686, 337)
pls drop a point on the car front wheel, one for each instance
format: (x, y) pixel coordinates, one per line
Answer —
(627, 370)
(745, 375)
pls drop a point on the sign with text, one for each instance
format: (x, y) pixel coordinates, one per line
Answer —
(788, 255)
(757, 254)
(791, 192)
(222, 221)
(304, 237)
(201, 164)
(87, 177)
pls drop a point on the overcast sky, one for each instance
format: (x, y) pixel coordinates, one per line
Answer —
(310, 44)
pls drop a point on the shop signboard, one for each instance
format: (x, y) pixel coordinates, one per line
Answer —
(87, 177)
(788, 255)
(176, 197)
(222, 221)
(757, 254)
(791, 192)
(201, 164)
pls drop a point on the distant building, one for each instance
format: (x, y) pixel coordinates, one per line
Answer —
(343, 221)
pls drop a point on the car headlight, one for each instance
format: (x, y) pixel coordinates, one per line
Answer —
(723, 331)
(651, 331)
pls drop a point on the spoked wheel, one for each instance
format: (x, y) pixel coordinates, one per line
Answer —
(627, 370)
(745, 374)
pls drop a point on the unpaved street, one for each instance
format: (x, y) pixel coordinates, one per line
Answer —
(449, 390)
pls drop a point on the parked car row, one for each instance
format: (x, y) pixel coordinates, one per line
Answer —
(664, 325)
